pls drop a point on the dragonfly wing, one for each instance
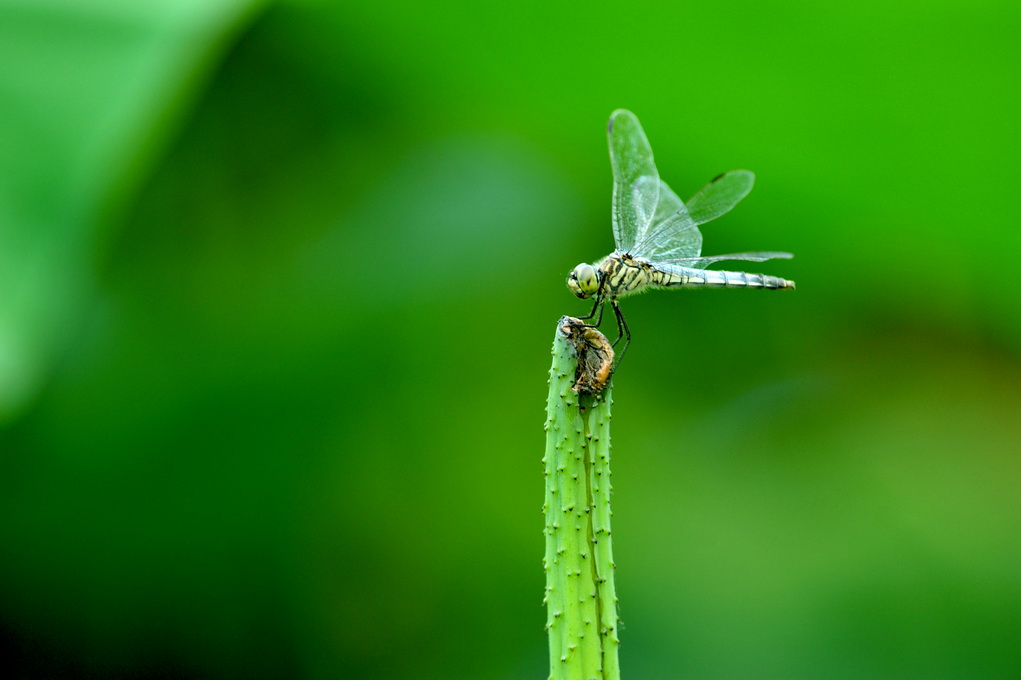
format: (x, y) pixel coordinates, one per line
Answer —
(672, 234)
(720, 195)
(636, 184)
(703, 262)
(677, 240)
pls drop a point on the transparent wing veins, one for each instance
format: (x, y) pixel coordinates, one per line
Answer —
(636, 182)
(703, 262)
(673, 234)
(719, 196)
(650, 221)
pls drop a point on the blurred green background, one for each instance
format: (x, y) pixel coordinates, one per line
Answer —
(278, 283)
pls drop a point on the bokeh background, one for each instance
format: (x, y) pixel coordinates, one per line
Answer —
(278, 283)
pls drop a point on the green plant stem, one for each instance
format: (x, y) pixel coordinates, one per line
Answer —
(580, 595)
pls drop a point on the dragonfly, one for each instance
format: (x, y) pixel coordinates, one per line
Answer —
(656, 234)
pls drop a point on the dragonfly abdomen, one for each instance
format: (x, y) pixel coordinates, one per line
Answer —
(714, 278)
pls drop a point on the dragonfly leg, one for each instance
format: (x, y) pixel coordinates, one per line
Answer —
(622, 329)
(622, 332)
(599, 306)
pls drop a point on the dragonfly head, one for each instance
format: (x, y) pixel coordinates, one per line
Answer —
(584, 281)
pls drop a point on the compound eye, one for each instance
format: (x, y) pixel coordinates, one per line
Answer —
(587, 279)
(583, 281)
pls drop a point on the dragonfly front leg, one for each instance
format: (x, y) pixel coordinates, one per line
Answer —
(597, 306)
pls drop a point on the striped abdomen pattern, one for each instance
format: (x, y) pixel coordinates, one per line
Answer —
(624, 275)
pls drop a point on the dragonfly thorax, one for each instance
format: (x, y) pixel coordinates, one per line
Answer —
(584, 280)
